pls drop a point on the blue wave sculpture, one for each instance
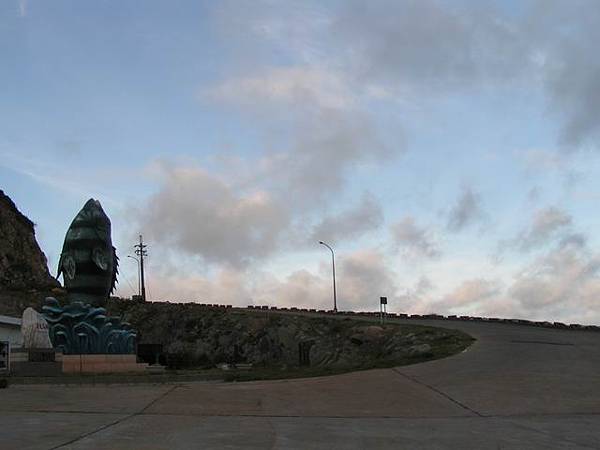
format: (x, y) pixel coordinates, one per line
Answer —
(79, 328)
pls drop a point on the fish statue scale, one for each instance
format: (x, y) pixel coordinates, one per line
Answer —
(88, 261)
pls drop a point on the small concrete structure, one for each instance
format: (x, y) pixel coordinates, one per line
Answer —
(10, 330)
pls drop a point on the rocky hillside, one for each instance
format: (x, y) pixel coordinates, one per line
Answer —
(23, 265)
(194, 335)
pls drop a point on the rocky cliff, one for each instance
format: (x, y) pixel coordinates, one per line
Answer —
(194, 335)
(23, 265)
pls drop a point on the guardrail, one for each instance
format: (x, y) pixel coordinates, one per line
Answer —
(544, 324)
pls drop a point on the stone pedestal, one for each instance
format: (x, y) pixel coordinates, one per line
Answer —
(101, 364)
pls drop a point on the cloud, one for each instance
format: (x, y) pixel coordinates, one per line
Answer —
(323, 149)
(416, 299)
(297, 85)
(565, 36)
(350, 223)
(427, 44)
(257, 30)
(199, 214)
(22, 8)
(316, 132)
(362, 277)
(469, 293)
(365, 277)
(228, 286)
(541, 160)
(414, 240)
(563, 283)
(417, 49)
(546, 225)
(301, 288)
(314, 113)
(465, 211)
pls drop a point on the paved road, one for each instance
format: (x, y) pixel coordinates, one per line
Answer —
(517, 387)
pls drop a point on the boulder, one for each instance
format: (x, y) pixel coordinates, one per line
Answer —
(420, 350)
(34, 330)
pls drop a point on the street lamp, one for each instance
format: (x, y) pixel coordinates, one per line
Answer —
(333, 265)
(138, 262)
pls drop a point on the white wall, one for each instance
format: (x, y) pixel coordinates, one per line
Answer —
(11, 334)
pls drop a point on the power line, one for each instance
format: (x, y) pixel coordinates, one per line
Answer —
(130, 285)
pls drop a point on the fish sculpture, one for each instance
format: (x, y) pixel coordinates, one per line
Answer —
(88, 261)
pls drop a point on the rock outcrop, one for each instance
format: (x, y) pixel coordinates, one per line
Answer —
(23, 265)
(196, 336)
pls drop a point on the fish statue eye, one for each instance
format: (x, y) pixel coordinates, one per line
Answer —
(99, 257)
(69, 267)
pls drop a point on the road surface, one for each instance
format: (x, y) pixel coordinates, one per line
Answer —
(517, 387)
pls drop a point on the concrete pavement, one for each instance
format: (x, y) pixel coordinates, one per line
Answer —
(516, 387)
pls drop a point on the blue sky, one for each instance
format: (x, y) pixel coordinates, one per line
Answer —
(447, 150)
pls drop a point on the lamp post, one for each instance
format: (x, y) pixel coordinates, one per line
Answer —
(138, 277)
(333, 265)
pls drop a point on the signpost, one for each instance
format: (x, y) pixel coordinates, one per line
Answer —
(4, 356)
(382, 309)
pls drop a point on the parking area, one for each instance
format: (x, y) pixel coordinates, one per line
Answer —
(516, 387)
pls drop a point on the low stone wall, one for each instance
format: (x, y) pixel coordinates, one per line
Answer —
(35, 362)
(35, 369)
(101, 364)
(375, 314)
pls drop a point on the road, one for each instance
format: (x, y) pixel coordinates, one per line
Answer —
(517, 387)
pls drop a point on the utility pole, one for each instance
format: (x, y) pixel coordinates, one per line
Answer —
(140, 250)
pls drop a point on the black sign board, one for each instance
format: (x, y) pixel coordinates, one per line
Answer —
(150, 353)
(383, 300)
(4, 355)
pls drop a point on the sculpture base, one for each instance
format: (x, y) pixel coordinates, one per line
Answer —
(79, 328)
(74, 364)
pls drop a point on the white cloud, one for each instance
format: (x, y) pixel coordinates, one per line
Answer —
(428, 44)
(22, 8)
(314, 131)
(465, 211)
(296, 85)
(564, 283)
(470, 292)
(227, 287)
(414, 240)
(362, 277)
(314, 116)
(430, 47)
(200, 214)
(365, 275)
(546, 225)
(350, 223)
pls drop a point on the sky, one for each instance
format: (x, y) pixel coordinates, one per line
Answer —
(446, 150)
